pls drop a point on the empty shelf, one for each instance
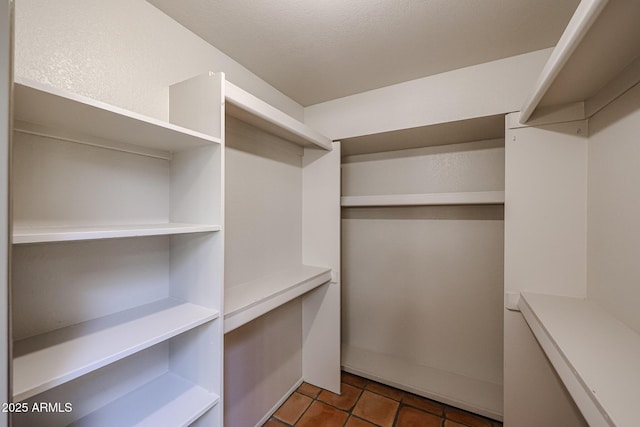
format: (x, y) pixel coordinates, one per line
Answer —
(253, 110)
(166, 401)
(460, 198)
(53, 358)
(596, 59)
(475, 395)
(23, 234)
(247, 301)
(596, 356)
(59, 114)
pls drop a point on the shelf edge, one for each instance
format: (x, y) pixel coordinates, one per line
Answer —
(580, 23)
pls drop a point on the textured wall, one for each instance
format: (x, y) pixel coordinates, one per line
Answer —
(124, 52)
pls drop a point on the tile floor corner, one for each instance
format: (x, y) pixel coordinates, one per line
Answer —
(365, 403)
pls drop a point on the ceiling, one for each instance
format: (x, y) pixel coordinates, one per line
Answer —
(318, 50)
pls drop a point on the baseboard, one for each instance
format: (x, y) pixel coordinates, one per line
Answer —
(279, 403)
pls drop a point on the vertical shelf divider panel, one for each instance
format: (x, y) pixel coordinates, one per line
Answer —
(321, 246)
(117, 273)
(6, 59)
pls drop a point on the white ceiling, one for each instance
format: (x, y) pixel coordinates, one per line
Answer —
(317, 50)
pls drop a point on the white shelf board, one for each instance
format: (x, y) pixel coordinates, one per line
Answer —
(26, 234)
(247, 301)
(169, 400)
(52, 112)
(599, 46)
(596, 356)
(51, 359)
(463, 392)
(460, 198)
(253, 110)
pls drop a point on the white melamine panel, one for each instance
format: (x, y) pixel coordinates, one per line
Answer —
(263, 204)
(6, 70)
(59, 110)
(545, 251)
(44, 361)
(466, 167)
(595, 355)
(614, 206)
(168, 400)
(98, 388)
(247, 301)
(248, 108)
(601, 41)
(263, 361)
(23, 234)
(61, 284)
(63, 183)
(480, 397)
(459, 198)
(321, 246)
(433, 278)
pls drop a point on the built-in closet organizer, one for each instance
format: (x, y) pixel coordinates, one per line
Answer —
(580, 300)
(117, 259)
(282, 255)
(422, 257)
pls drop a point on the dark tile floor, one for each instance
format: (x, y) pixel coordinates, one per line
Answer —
(365, 403)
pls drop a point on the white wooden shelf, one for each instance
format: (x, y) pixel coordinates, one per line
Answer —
(253, 110)
(51, 359)
(596, 60)
(50, 112)
(24, 234)
(596, 356)
(166, 401)
(477, 396)
(460, 198)
(247, 301)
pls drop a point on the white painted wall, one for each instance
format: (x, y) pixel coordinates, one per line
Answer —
(495, 87)
(545, 251)
(614, 208)
(126, 53)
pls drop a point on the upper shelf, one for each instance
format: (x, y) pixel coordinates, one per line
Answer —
(255, 111)
(427, 199)
(50, 112)
(596, 356)
(596, 60)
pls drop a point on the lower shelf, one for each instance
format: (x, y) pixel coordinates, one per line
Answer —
(22, 234)
(247, 301)
(596, 356)
(45, 361)
(474, 395)
(166, 401)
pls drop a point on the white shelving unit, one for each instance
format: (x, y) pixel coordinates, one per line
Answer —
(427, 199)
(580, 339)
(417, 204)
(117, 233)
(596, 60)
(245, 302)
(282, 258)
